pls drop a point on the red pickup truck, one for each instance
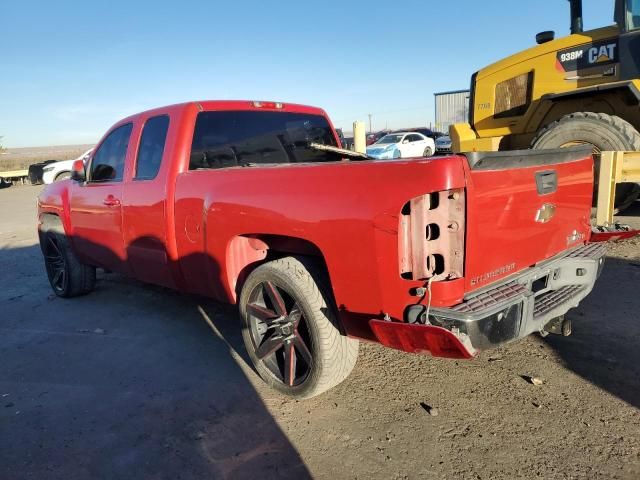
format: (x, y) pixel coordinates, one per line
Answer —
(253, 203)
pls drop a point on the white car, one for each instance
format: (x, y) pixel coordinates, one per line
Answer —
(402, 145)
(60, 170)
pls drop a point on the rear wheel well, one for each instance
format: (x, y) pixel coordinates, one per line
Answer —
(246, 252)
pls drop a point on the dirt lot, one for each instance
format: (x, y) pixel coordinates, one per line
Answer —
(136, 382)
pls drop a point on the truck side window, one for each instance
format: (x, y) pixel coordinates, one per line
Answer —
(154, 135)
(225, 139)
(107, 164)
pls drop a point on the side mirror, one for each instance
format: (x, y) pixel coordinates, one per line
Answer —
(78, 172)
(544, 37)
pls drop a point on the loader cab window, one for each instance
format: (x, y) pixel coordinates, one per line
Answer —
(107, 164)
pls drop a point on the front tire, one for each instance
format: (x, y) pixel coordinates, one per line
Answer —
(290, 329)
(605, 133)
(68, 277)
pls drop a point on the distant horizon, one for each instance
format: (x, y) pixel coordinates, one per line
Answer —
(65, 145)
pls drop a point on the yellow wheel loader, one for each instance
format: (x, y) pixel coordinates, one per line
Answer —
(580, 89)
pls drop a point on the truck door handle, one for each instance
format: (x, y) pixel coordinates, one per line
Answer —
(111, 201)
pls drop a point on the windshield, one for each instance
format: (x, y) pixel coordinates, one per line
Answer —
(390, 139)
(239, 138)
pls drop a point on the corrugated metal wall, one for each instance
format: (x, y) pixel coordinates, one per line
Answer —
(451, 107)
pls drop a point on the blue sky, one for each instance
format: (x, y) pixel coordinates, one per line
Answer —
(69, 70)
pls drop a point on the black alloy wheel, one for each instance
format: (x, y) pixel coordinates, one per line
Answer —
(279, 333)
(56, 264)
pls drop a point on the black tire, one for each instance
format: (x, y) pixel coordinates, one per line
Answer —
(62, 176)
(604, 132)
(427, 152)
(322, 356)
(68, 277)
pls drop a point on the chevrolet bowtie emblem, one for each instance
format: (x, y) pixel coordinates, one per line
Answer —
(545, 213)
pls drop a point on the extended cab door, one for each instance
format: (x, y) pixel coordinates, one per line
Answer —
(144, 206)
(96, 205)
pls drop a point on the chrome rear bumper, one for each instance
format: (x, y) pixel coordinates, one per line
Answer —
(525, 303)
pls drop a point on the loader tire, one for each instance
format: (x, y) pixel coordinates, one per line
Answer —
(605, 133)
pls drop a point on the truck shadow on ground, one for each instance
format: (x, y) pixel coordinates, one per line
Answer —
(604, 346)
(137, 381)
(130, 381)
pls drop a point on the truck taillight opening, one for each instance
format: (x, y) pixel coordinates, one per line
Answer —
(431, 236)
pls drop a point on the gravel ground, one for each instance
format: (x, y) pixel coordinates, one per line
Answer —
(135, 381)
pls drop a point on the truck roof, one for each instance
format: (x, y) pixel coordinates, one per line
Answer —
(212, 105)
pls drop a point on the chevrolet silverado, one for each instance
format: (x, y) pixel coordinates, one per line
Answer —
(255, 204)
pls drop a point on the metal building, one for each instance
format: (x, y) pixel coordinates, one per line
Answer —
(451, 107)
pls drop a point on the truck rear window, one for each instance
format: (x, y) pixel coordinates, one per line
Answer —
(243, 138)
